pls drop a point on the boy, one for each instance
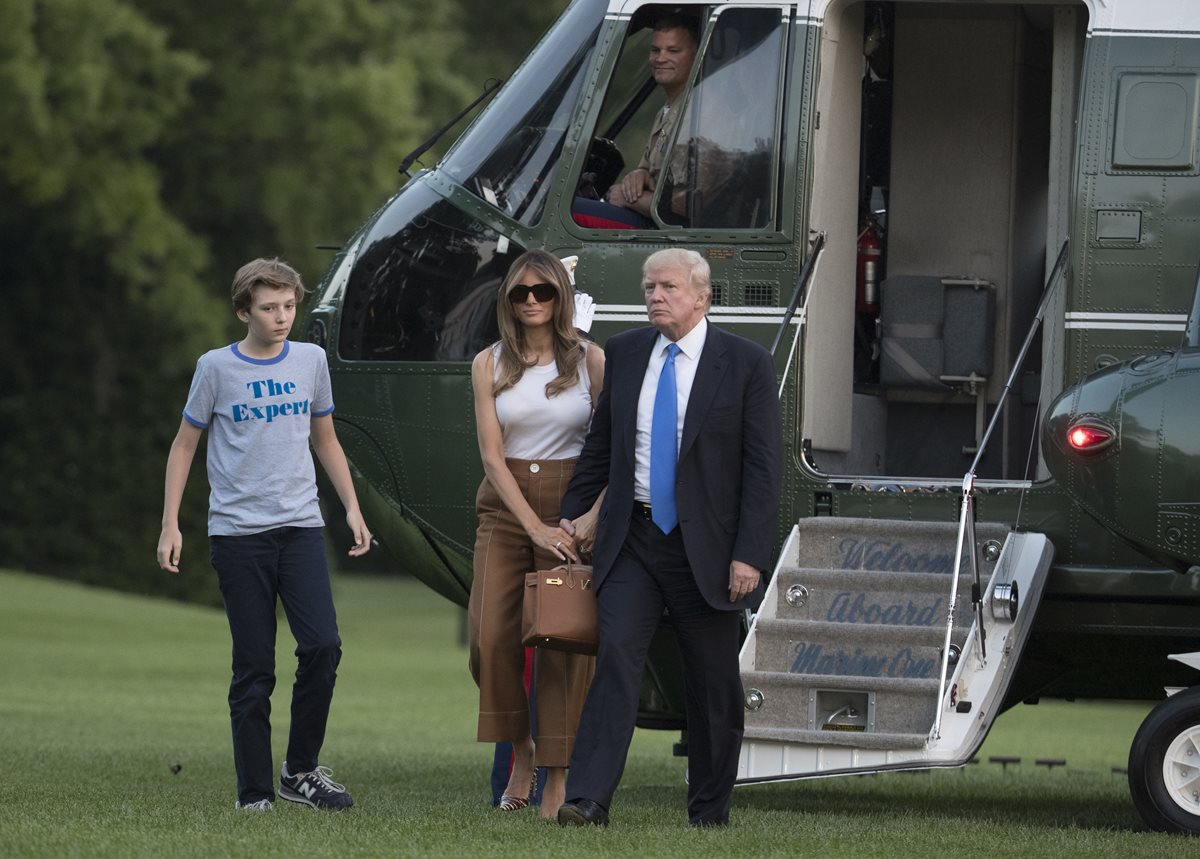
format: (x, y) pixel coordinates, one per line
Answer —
(264, 399)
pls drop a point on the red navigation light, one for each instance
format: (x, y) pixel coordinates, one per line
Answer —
(1087, 438)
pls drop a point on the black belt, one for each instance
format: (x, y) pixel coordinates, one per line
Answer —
(641, 510)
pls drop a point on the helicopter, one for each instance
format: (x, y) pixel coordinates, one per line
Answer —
(932, 213)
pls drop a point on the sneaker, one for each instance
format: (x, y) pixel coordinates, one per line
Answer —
(261, 805)
(313, 788)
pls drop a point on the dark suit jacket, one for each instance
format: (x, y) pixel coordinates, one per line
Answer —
(728, 481)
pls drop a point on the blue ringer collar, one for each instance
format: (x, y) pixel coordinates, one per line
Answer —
(262, 361)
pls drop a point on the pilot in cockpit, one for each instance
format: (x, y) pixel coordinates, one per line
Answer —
(628, 201)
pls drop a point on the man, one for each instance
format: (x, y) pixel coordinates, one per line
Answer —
(672, 53)
(687, 438)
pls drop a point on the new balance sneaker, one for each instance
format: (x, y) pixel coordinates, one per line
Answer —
(314, 788)
(261, 805)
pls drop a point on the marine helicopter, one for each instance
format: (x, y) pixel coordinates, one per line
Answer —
(932, 212)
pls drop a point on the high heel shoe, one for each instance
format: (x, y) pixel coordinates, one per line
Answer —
(508, 802)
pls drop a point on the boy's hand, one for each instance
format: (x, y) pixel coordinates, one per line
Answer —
(362, 536)
(170, 545)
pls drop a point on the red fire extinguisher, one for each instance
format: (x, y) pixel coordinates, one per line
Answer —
(870, 251)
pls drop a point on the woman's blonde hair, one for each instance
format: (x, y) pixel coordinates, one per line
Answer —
(567, 342)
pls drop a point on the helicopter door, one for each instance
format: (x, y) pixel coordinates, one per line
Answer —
(963, 187)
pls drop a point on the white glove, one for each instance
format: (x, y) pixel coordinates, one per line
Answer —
(585, 309)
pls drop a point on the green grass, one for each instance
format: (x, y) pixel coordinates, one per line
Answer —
(101, 693)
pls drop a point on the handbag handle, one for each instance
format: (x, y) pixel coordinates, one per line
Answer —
(568, 569)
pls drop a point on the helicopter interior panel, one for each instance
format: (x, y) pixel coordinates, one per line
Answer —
(960, 172)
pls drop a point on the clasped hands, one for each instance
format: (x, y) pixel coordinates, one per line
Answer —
(581, 532)
(629, 190)
(636, 191)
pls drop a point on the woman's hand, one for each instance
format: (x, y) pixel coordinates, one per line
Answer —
(585, 530)
(554, 540)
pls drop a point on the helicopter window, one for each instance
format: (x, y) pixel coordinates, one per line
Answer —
(722, 170)
(728, 136)
(507, 156)
(423, 287)
(1156, 122)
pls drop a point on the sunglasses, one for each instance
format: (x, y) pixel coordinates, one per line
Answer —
(542, 292)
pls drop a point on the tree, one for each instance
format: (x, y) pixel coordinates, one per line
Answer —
(101, 284)
(296, 127)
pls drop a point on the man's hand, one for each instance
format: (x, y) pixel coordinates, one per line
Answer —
(629, 190)
(584, 530)
(743, 579)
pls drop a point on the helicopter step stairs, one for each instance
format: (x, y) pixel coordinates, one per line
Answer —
(842, 666)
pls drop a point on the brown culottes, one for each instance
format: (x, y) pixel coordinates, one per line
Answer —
(504, 553)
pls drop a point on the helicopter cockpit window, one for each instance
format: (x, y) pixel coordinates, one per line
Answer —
(728, 135)
(424, 285)
(507, 156)
(721, 169)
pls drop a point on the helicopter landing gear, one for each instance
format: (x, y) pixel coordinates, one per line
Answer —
(1164, 765)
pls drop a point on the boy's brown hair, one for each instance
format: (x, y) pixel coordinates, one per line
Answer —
(274, 273)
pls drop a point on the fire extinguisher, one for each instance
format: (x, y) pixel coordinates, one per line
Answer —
(870, 252)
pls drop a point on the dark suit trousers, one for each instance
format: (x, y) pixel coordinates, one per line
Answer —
(651, 573)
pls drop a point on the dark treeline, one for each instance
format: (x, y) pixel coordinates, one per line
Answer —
(147, 149)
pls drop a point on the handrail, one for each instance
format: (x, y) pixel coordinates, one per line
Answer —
(966, 518)
(801, 281)
(1012, 376)
(1191, 336)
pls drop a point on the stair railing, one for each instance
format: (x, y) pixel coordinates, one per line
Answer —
(966, 518)
(806, 272)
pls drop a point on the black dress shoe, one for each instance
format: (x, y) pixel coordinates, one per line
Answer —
(582, 812)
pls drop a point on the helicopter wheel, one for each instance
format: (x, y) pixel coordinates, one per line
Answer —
(1164, 765)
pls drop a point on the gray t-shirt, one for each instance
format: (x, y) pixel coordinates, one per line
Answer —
(258, 414)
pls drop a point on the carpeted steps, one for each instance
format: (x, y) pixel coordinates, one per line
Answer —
(848, 650)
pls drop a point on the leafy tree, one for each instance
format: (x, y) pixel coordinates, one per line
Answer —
(502, 34)
(101, 287)
(296, 127)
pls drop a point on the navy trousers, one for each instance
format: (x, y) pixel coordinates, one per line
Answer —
(254, 571)
(651, 573)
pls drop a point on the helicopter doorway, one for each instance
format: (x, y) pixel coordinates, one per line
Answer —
(962, 121)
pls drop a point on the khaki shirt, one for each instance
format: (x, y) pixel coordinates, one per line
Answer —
(655, 152)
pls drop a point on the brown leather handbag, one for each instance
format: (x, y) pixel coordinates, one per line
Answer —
(560, 609)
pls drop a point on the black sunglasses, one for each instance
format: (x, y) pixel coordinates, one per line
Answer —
(543, 292)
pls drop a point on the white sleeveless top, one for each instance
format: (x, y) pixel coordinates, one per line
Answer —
(534, 426)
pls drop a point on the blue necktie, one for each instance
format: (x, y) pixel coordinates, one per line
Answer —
(664, 447)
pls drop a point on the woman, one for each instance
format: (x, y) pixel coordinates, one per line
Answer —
(534, 392)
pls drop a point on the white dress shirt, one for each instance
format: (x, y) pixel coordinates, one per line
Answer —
(686, 362)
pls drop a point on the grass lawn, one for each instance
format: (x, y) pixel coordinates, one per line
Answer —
(101, 694)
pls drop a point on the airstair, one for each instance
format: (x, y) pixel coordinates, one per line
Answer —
(846, 667)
